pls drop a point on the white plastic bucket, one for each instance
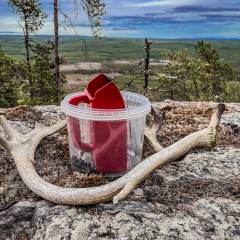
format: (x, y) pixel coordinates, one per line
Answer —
(107, 141)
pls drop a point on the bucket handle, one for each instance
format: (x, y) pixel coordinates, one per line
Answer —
(74, 126)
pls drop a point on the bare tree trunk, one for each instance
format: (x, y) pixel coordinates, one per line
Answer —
(147, 61)
(216, 86)
(26, 42)
(56, 52)
(186, 97)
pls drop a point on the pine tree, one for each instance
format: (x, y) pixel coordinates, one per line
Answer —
(31, 18)
(11, 75)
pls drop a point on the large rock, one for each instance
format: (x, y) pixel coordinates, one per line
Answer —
(203, 219)
(195, 198)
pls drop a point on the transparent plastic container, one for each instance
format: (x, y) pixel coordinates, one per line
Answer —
(107, 141)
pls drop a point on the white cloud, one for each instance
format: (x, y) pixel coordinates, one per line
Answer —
(224, 13)
(9, 24)
(122, 33)
(163, 3)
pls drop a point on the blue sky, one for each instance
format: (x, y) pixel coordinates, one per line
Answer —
(141, 18)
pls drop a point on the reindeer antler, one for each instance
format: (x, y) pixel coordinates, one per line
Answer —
(23, 147)
(153, 126)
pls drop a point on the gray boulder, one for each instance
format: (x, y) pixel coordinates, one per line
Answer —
(197, 197)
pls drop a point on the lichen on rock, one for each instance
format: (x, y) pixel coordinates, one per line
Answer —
(196, 197)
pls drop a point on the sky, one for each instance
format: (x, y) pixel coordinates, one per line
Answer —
(165, 19)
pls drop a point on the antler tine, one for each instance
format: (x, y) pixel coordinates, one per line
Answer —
(4, 143)
(41, 132)
(11, 132)
(152, 129)
(216, 116)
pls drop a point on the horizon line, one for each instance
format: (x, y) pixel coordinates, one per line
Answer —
(154, 38)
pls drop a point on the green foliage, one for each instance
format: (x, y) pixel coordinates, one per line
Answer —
(31, 20)
(202, 78)
(233, 91)
(216, 72)
(11, 76)
(205, 51)
(43, 80)
(42, 75)
(30, 14)
(174, 75)
(14, 89)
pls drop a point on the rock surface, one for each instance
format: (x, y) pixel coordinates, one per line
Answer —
(195, 198)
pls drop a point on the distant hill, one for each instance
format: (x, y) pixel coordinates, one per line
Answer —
(77, 49)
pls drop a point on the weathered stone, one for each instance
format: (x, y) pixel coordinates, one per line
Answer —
(203, 219)
(16, 220)
(195, 198)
